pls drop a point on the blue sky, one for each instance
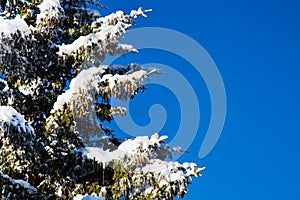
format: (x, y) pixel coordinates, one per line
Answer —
(256, 46)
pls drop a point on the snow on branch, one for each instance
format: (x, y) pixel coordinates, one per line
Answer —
(143, 146)
(92, 81)
(86, 79)
(49, 10)
(142, 143)
(119, 16)
(127, 85)
(23, 184)
(140, 156)
(173, 171)
(140, 11)
(12, 117)
(105, 37)
(9, 27)
(80, 100)
(172, 177)
(87, 97)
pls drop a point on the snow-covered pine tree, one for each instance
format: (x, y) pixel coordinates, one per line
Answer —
(45, 128)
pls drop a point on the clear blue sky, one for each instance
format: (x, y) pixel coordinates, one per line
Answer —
(256, 46)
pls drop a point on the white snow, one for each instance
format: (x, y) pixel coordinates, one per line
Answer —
(103, 156)
(131, 146)
(140, 11)
(137, 75)
(88, 79)
(11, 116)
(156, 166)
(131, 80)
(30, 88)
(80, 81)
(82, 41)
(24, 184)
(106, 34)
(126, 149)
(126, 48)
(49, 9)
(156, 139)
(9, 27)
(172, 171)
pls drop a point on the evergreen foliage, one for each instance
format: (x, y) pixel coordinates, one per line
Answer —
(45, 129)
